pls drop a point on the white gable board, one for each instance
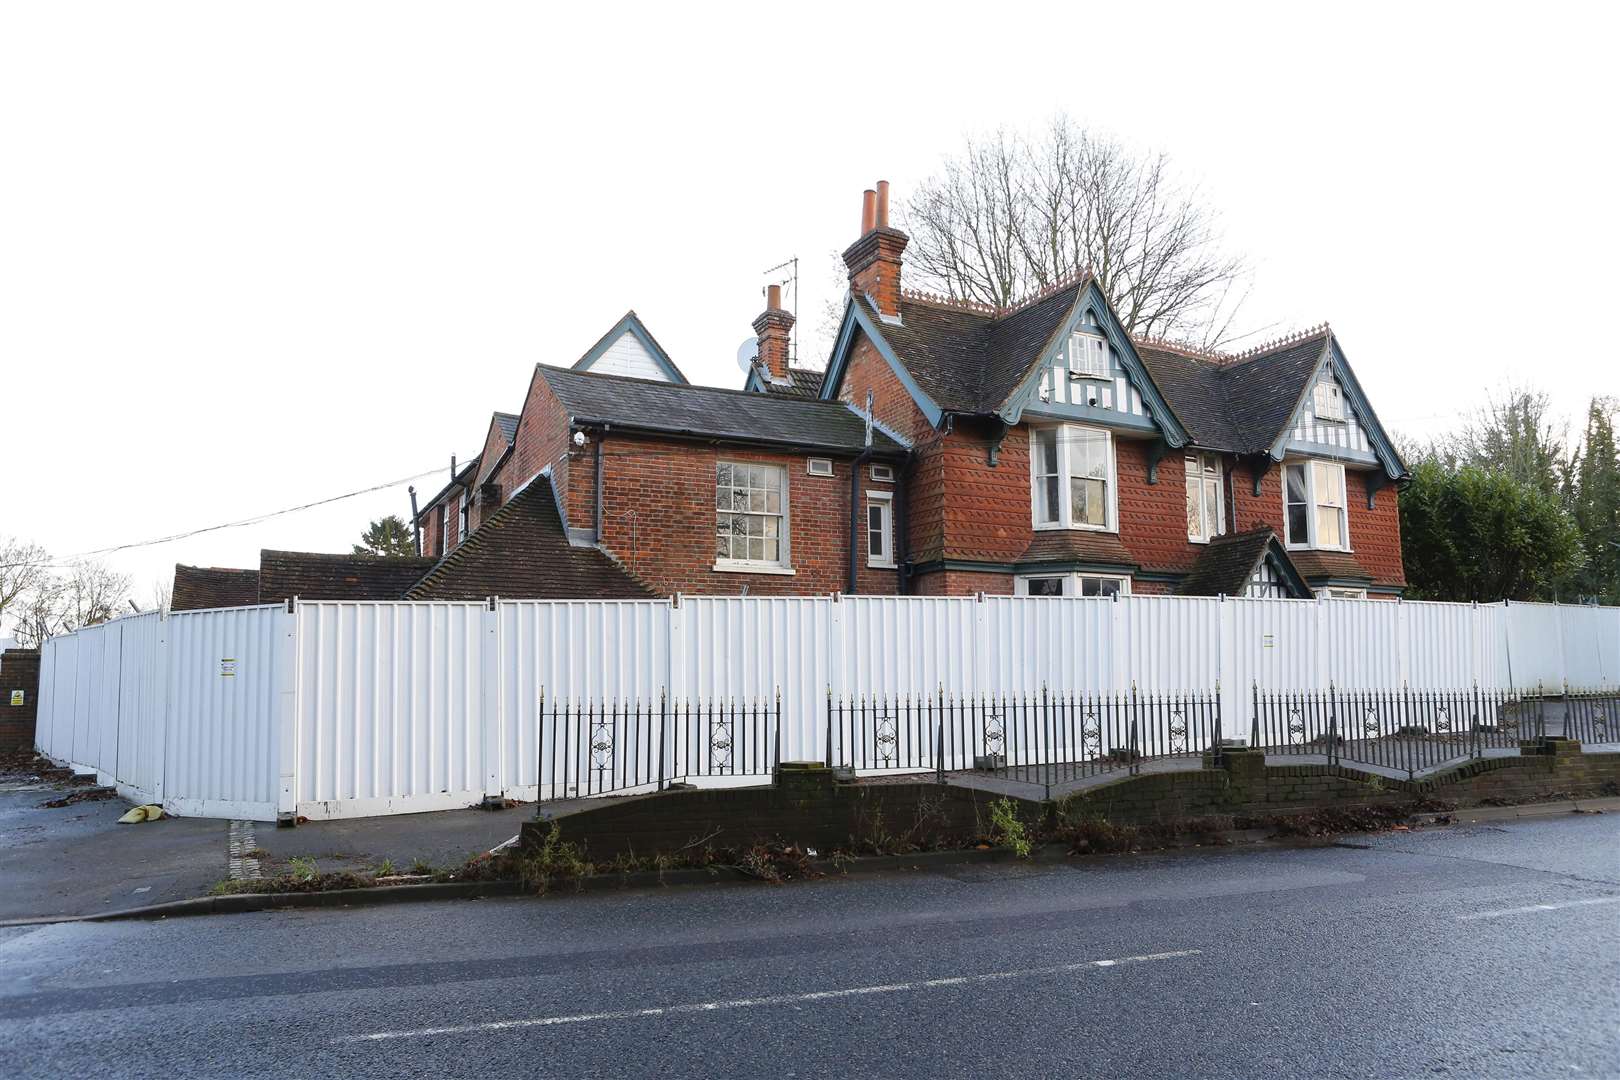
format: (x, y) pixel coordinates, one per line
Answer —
(628, 356)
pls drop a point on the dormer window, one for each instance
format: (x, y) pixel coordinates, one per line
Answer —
(1329, 403)
(1088, 356)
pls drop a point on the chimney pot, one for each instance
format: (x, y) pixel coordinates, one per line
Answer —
(773, 298)
(883, 204)
(868, 211)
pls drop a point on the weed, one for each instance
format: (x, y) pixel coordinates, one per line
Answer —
(385, 869)
(302, 868)
(553, 860)
(421, 866)
(1006, 828)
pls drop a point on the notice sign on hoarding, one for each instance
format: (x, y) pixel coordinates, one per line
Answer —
(17, 697)
(1268, 642)
(227, 668)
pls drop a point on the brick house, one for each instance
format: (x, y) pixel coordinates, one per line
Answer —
(947, 448)
(1050, 453)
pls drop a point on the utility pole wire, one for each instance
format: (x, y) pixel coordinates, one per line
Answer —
(257, 519)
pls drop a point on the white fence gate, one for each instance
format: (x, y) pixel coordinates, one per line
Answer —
(328, 709)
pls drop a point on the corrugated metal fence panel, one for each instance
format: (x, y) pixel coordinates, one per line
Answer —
(52, 658)
(1589, 646)
(390, 707)
(572, 650)
(1276, 644)
(142, 669)
(1172, 643)
(749, 649)
(1535, 642)
(1067, 644)
(224, 677)
(1363, 643)
(905, 644)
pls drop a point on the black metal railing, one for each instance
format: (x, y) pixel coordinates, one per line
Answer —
(602, 746)
(1405, 730)
(1046, 739)
(1592, 716)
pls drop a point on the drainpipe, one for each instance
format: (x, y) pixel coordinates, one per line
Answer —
(600, 437)
(855, 516)
(902, 527)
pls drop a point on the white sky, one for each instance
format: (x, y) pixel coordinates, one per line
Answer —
(253, 256)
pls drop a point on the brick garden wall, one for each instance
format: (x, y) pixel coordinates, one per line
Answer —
(809, 808)
(19, 670)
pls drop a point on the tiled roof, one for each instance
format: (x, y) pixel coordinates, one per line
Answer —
(508, 422)
(521, 552)
(200, 587)
(1320, 565)
(711, 413)
(1077, 545)
(1228, 562)
(802, 382)
(311, 575)
(970, 358)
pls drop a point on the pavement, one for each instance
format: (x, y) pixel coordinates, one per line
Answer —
(1487, 950)
(77, 859)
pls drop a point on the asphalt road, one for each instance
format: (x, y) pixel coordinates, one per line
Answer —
(1477, 951)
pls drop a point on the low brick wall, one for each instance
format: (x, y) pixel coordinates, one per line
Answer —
(1247, 788)
(807, 807)
(19, 670)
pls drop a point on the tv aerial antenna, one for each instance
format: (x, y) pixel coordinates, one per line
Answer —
(787, 274)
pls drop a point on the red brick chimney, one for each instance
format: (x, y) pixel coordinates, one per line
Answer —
(773, 327)
(874, 259)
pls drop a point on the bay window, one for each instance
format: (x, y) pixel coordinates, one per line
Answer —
(750, 504)
(1206, 517)
(1103, 585)
(1314, 505)
(1072, 478)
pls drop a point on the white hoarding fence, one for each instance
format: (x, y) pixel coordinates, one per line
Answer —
(331, 709)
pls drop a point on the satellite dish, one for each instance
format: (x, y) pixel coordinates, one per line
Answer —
(747, 353)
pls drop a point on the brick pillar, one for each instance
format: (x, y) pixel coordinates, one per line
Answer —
(19, 674)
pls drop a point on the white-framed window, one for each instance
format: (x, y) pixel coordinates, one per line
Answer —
(882, 474)
(1314, 505)
(1088, 355)
(1329, 401)
(879, 529)
(444, 528)
(1345, 594)
(1072, 478)
(1206, 507)
(461, 518)
(818, 466)
(750, 503)
(1071, 585)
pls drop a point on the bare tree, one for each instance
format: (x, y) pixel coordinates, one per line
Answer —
(162, 593)
(1014, 214)
(38, 614)
(23, 566)
(92, 592)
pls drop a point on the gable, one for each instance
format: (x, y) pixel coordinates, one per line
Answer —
(629, 350)
(1058, 392)
(1125, 395)
(1359, 437)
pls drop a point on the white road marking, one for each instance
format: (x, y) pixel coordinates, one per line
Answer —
(1538, 907)
(774, 999)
